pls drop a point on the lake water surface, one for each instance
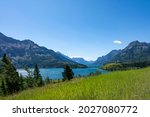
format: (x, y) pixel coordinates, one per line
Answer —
(56, 73)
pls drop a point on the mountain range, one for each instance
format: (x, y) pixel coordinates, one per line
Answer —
(82, 61)
(27, 53)
(135, 52)
(78, 60)
(107, 58)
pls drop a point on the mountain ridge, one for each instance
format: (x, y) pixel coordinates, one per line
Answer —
(107, 58)
(134, 52)
(82, 61)
(27, 53)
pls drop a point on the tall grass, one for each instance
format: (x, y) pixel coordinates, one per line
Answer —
(119, 85)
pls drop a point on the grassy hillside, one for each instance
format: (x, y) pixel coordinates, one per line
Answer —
(131, 84)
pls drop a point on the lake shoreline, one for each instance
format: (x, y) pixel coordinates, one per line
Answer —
(56, 73)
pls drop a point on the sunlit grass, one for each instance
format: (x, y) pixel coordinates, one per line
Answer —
(119, 85)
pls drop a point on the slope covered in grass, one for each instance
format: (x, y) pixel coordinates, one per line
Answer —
(131, 84)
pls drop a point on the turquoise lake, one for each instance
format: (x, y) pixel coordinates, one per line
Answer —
(56, 73)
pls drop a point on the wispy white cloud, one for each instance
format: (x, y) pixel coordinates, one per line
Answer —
(117, 42)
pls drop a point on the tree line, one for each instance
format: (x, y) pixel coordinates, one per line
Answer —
(125, 66)
(11, 82)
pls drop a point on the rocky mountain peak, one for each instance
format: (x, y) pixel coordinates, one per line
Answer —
(27, 53)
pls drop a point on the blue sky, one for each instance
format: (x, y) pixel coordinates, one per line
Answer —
(86, 28)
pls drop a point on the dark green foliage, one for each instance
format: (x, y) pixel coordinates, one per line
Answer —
(21, 82)
(11, 77)
(29, 80)
(112, 66)
(37, 76)
(2, 88)
(33, 79)
(11, 82)
(125, 66)
(68, 73)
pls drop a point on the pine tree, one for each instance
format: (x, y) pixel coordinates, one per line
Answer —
(68, 73)
(11, 77)
(2, 85)
(29, 80)
(2, 88)
(37, 76)
(21, 80)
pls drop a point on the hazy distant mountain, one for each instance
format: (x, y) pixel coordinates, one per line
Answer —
(135, 52)
(107, 58)
(27, 53)
(82, 61)
(78, 59)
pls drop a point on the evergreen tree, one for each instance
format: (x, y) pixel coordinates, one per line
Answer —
(1, 79)
(29, 80)
(11, 77)
(21, 82)
(2, 88)
(68, 73)
(37, 76)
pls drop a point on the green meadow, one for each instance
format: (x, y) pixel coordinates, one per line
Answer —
(118, 85)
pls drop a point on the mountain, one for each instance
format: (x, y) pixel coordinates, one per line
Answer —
(78, 59)
(61, 54)
(107, 58)
(27, 53)
(135, 52)
(82, 61)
